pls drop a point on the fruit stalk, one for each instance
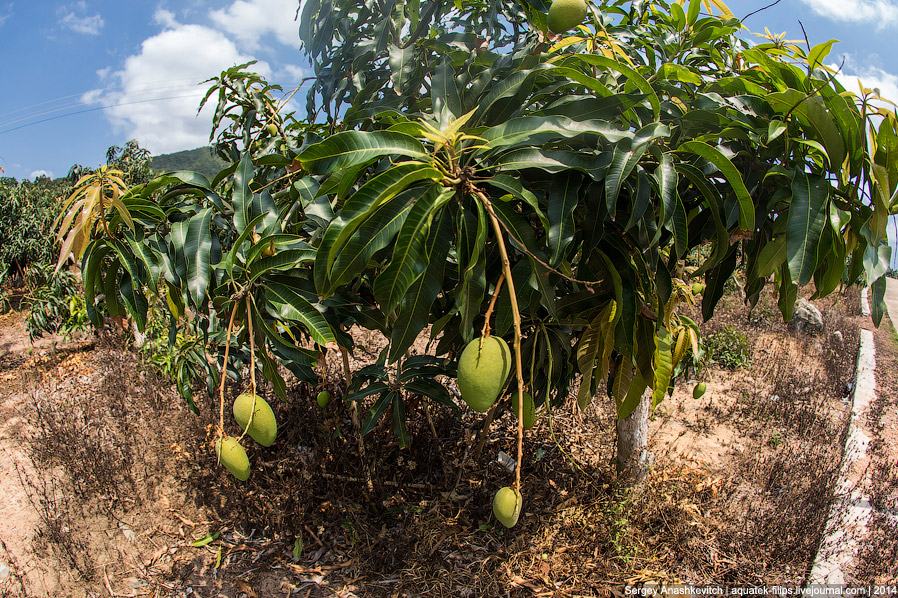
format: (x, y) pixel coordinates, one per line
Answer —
(489, 310)
(252, 367)
(224, 371)
(516, 315)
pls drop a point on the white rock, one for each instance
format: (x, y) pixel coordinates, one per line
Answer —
(807, 318)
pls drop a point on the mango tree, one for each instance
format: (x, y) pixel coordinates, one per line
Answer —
(458, 160)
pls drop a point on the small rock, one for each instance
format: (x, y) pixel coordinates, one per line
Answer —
(837, 337)
(4, 571)
(807, 318)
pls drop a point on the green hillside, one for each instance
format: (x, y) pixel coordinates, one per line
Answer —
(201, 159)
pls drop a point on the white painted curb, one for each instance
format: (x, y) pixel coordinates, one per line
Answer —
(847, 523)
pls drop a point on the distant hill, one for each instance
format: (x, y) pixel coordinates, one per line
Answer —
(201, 159)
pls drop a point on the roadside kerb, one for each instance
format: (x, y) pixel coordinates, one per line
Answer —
(850, 513)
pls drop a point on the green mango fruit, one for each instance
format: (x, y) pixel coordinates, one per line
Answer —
(323, 399)
(233, 457)
(698, 288)
(507, 505)
(264, 427)
(699, 390)
(482, 372)
(566, 14)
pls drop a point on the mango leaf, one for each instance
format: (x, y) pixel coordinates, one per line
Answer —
(513, 186)
(373, 235)
(359, 207)
(564, 195)
(414, 310)
(807, 217)
(402, 66)
(290, 305)
(447, 102)
(662, 364)
(634, 396)
(555, 161)
(408, 261)
(715, 281)
(631, 76)
(432, 390)
(472, 267)
(192, 243)
(814, 118)
(350, 148)
(877, 305)
(538, 130)
(587, 352)
(726, 168)
(376, 412)
(91, 277)
(876, 260)
(399, 428)
(242, 197)
(772, 255)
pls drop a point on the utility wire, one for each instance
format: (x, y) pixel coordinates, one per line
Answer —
(43, 120)
(71, 105)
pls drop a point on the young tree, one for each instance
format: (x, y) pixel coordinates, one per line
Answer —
(459, 160)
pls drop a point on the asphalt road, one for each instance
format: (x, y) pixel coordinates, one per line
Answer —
(892, 300)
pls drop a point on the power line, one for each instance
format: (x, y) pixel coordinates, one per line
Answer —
(101, 89)
(80, 103)
(37, 122)
(129, 93)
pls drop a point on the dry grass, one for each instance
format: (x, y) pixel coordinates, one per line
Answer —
(426, 528)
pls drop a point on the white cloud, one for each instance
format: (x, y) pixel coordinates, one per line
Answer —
(870, 77)
(159, 92)
(166, 18)
(251, 20)
(39, 173)
(72, 18)
(881, 13)
(5, 13)
(292, 73)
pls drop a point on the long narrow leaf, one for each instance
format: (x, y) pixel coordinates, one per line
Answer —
(349, 148)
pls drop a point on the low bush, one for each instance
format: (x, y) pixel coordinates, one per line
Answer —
(729, 348)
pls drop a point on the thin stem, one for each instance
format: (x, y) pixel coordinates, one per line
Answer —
(516, 314)
(252, 347)
(354, 410)
(523, 247)
(489, 311)
(485, 431)
(252, 368)
(224, 370)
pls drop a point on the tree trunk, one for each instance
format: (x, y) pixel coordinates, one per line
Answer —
(633, 459)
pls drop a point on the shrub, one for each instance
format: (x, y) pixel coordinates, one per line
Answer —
(729, 348)
(54, 302)
(27, 211)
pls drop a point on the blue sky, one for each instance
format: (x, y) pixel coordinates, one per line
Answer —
(98, 72)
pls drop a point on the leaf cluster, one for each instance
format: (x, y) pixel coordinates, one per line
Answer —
(439, 132)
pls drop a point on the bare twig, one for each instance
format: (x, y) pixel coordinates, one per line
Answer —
(763, 8)
(354, 411)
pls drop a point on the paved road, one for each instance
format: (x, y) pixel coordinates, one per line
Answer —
(892, 300)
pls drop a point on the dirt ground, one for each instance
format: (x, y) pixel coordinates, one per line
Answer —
(109, 486)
